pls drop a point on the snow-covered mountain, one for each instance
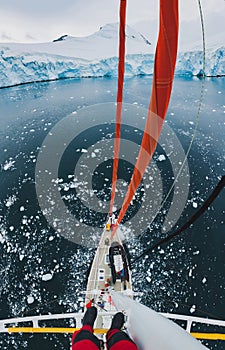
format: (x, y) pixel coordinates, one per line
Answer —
(95, 56)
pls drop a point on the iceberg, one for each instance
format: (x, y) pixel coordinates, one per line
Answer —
(96, 56)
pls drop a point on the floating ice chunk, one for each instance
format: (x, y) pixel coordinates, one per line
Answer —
(22, 208)
(196, 253)
(161, 157)
(24, 221)
(47, 277)
(57, 181)
(30, 299)
(193, 309)
(195, 205)
(204, 280)
(9, 164)
(10, 201)
(2, 239)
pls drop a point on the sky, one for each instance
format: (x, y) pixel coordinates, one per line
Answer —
(45, 20)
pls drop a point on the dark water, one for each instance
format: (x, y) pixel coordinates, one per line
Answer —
(42, 271)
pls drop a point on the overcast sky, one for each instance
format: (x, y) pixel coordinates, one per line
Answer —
(45, 20)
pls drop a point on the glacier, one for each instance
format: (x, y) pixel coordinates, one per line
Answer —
(96, 56)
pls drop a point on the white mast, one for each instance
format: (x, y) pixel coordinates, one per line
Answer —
(152, 331)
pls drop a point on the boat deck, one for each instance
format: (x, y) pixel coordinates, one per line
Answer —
(100, 280)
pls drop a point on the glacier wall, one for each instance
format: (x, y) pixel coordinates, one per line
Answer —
(31, 67)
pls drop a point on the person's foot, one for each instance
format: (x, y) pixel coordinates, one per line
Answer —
(118, 321)
(90, 316)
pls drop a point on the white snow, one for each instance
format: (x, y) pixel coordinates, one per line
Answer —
(95, 56)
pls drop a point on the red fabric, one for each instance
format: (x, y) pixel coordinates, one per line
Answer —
(84, 344)
(121, 68)
(88, 305)
(122, 344)
(164, 67)
(89, 345)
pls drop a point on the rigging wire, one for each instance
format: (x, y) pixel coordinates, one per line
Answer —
(203, 208)
(206, 313)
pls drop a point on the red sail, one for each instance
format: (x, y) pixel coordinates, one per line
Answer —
(121, 67)
(164, 67)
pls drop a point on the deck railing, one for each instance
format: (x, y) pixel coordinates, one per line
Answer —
(17, 324)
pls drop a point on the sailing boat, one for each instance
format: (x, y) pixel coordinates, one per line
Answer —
(109, 270)
(110, 281)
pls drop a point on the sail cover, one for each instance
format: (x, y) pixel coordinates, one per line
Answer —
(152, 331)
